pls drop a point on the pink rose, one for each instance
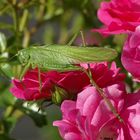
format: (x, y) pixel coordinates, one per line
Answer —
(119, 16)
(72, 82)
(131, 54)
(129, 130)
(76, 81)
(28, 88)
(105, 75)
(90, 118)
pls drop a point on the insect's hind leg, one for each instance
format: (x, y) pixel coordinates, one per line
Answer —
(40, 80)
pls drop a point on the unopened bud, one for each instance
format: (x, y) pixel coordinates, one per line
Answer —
(59, 94)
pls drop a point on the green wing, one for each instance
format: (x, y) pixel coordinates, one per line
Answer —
(83, 54)
(61, 57)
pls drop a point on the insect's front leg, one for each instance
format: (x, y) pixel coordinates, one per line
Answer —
(24, 71)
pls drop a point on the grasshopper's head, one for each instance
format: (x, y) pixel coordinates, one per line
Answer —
(23, 56)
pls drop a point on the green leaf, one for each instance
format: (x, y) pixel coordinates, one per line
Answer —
(6, 98)
(39, 118)
(9, 123)
(3, 42)
(63, 57)
(6, 26)
(6, 70)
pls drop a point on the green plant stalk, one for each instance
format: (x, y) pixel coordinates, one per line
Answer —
(23, 20)
(22, 27)
(12, 108)
(41, 10)
(12, 4)
(39, 21)
(16, 21)
(26, 38)
(4, 9)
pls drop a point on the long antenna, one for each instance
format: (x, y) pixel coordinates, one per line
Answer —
(83, 38)
(73, 38)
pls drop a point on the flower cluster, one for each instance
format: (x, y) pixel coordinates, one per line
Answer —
(124, 17)
(90, 117)
(119, 16)
(130, 55)
(72, 82)
(102, 110)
